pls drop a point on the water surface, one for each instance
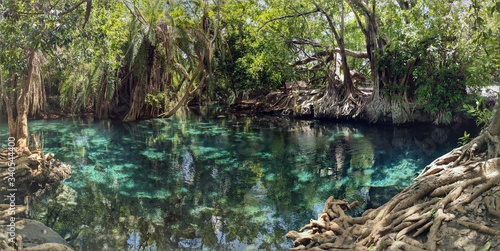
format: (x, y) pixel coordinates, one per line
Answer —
(199, 181)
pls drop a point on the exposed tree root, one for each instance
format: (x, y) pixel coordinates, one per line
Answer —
(447, 194)
(478, 227)
(335, 105)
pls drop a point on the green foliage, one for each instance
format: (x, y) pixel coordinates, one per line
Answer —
(155, 100)
(464, 139)
(256, 59)
(98, 57)
(486, 38)
(429, 52)
(440, 89)
(394, 65)
(480, 112)
(433, 213)
(444, 48)
(488, 244)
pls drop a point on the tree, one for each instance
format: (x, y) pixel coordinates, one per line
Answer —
(254, 57)
(29, 30)
(169, 56)
(86, 73)
(418, 54)
(419, 59)
(323, 51)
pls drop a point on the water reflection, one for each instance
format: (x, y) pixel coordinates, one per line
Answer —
(210, 183)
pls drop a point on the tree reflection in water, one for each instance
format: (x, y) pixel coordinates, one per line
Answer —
(211, 183)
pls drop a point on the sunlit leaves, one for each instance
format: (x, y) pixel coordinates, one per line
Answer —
(96, 55)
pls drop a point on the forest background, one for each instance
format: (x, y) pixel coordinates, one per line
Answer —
(134, 59)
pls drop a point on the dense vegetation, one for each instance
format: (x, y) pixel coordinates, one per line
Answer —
(131, 59)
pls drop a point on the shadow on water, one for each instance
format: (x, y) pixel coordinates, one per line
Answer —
(209, 181)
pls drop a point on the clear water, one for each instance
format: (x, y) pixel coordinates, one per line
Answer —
(206, 182)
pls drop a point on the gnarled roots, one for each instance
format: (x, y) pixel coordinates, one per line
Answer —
(454, 196)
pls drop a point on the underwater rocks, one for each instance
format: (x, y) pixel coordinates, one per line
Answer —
(22, 177)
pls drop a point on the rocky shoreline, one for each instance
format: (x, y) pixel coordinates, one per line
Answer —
(24, 177)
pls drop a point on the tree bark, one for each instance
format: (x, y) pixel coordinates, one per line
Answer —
(22, 106)
(494, 127)
(7, 98)
(10, 117)
(372, 43)
(348, 84)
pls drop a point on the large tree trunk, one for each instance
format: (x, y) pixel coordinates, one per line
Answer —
(339, 39)
(22, 106)
(7, 98)
(11, 120)
(453, 197)
(393, 106)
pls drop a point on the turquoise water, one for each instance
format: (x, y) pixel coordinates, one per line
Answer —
(208, 182)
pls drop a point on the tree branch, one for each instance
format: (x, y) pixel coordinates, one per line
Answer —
(303, 41)
(330, 22)
(73, 8)
(287, 16)
(87, 13)
(354, 54)
(358, 19)
(363, 6)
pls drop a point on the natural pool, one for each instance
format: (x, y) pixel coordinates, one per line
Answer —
(199, 181)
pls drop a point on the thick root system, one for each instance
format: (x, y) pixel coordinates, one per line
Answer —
(452, 204)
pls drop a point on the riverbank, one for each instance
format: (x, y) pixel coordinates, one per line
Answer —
(24, 178)
(315, 103)
(305, 103)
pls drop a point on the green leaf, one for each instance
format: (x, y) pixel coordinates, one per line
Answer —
(485, 247)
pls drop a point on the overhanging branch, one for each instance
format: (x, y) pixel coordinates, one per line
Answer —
(73, 8)
(325, 53)
(288, 16)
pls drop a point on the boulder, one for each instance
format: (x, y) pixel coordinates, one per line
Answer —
(34, 236)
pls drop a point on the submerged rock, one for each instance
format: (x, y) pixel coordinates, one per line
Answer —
(36, 233)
